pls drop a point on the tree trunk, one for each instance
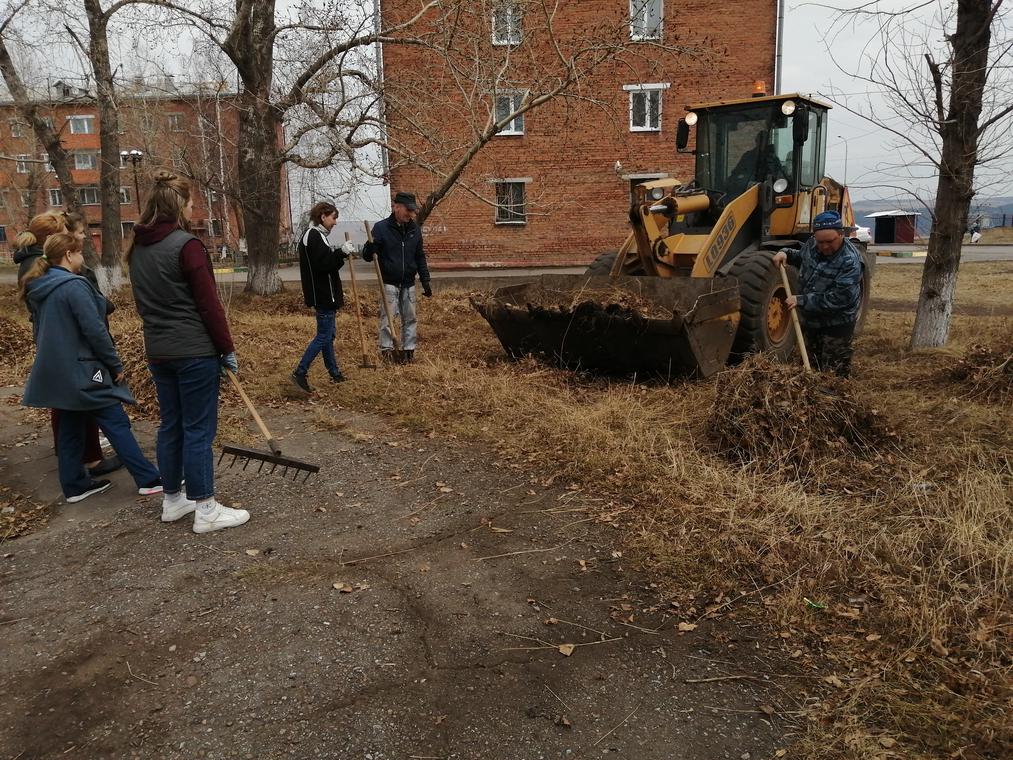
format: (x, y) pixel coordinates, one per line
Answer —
(955, 189)
(59, 158)
(109, 140)
(260, 191)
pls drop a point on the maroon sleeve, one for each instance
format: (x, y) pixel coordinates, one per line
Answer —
(196, 266)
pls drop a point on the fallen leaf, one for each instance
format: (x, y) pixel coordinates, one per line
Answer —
(781, 753)
(873, 637)
(834, 681)
(767, 710)
(886, 742)
(446, 489)
(567, 649)
(344, 588)
(685, 627)
(500, 530)
(562, 721)
(252, 552)
(551, 621)
(938, 648)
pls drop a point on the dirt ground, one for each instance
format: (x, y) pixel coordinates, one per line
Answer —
(457, 581)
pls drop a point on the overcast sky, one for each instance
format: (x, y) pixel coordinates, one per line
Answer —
(872, 153)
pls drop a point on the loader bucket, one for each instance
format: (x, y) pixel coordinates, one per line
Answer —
(618, 325)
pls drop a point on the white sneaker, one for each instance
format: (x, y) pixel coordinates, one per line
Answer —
(219, 518)
(174, 509)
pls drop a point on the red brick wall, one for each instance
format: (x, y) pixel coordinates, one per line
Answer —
(577, 203)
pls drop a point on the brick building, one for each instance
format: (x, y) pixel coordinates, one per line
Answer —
(189, 130)
(556, 183)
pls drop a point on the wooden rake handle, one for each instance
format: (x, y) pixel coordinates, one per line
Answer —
(358, 314)
(383, 291)
(795, 322)
(256, 417)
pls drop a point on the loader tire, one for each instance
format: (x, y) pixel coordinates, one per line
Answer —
(602, 265)
(868, 268)
(765, 321)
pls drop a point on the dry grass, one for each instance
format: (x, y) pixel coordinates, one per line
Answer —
(904, 549)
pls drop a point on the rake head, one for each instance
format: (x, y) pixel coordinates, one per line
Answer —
(247, 457)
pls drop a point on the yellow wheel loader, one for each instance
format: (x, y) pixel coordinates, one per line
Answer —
(693, 285)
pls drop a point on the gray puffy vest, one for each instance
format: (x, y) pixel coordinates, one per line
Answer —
(172, 327)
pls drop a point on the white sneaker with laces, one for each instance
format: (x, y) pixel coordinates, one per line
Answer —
(218, 517)
(175, 508)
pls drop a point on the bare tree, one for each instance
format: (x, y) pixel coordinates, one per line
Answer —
(29, 107)
(953, 102)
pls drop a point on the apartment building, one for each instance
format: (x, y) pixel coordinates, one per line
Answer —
(554, 186)
(191, 130)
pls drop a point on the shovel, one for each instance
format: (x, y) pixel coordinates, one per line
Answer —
(274, 458)
(366, 363)
(400, 356)
(795, 322)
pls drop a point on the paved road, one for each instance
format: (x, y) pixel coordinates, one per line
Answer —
(468, 278)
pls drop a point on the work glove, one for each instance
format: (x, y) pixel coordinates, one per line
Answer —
(427, 288)
(347, 248)
(228, 361)
(368, 250)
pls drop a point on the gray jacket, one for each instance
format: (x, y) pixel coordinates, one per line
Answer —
(75, 359)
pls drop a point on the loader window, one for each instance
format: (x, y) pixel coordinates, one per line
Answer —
(813, 151)
(736, 148)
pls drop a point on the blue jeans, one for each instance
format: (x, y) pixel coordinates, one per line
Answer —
(402, 304)
(113, 421)
(323, 342)
(188, 405)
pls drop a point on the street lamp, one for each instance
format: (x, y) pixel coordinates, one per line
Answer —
(134, 157)
(845, 182)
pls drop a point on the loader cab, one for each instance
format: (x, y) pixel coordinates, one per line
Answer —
(743, 142)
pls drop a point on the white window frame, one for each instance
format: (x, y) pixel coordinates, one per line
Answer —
(126, 228)
(26, 198)
(516, 125)
(638, 20)
(79, 154)
(55, 197)
(126, 194)
(89, 123)
(86, 193)
(46, 163)
(18, 128)
(648, 90)
(514, 23)
(523, 182)
(21, 163)
(175, 122)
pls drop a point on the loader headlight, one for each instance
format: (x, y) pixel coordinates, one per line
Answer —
(657, 193)
(780, 185)
(691, 118)
(788, 107)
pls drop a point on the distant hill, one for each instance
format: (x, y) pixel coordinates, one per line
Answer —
(991, 210)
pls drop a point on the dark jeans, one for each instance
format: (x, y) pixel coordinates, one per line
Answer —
(830, 348)
(113, 421)
(92, 447)
(323, 342)
(188, 405)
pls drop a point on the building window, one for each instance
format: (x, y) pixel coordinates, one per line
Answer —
(22, 163)
(17, 128)
(48, 121)
(175, 122)
(89, 196)
(85, 160)
(506, 105)
(506, 23)
(510, 203)
(26, 198)
(645, 19)
(3, 234)
(126, 228)
(215, 227)
(47, 165)
(125, 194)
(645, 106)
(55, 197)
(81, 125)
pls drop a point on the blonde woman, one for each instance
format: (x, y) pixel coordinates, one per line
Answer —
(188, 343)
(77, 370)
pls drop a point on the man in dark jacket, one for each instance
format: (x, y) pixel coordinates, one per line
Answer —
(321, 286)
(830, 270)
(397, 244)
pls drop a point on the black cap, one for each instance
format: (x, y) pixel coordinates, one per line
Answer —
(407, 200)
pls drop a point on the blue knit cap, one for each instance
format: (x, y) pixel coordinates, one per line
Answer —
(828, 220)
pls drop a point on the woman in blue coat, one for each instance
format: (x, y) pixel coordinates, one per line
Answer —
(77, 369)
